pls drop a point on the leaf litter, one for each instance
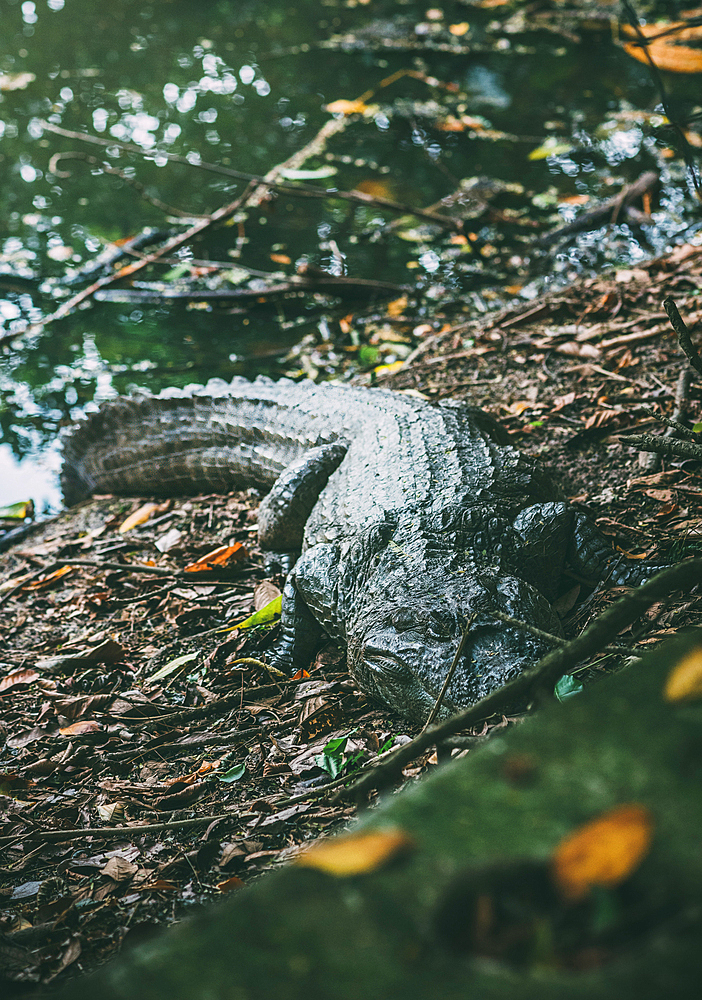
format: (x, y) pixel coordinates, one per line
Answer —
(153, 760)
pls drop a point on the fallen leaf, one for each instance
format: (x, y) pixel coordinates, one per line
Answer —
(46, 581)
(230, 884)
(397, 306)
(265, 616)
(81, 728)
(357, 853)
(603, 852)
(221, 556)
(684, 681)
(140, 516)
(346, 107)
(280, 258)
(17, 511)
(120, 869)
(665, 45)
(15, 677)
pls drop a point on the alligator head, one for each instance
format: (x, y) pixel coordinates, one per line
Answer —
(402, 650)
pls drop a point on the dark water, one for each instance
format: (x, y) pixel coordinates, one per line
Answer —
(245, 85)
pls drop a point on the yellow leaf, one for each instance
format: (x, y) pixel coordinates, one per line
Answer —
(347, 107)
(397, 306)
(665, 46)
(551, 147)
(140, 516)
(459, 29)
(603, 852)
(684, 681)
(388, 369)
(356, 853)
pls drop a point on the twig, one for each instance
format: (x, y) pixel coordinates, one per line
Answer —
(684, 339)
(114, 831)
(545, 673)
(297, 189)
(662, 445)
(673, 425)
(449, 676)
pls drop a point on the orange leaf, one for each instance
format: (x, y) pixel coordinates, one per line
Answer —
(15, 677)
(459, 29)
(346, 107)
(603, 852)
(397, 306)
(665, 46)
(140, 516)
(356, 853)
(684, 681)
(46, 581)
(280, 258)
(81, 728)
(229, 884)
(221, 556)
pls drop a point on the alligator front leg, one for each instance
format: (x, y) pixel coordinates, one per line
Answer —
(308, 608)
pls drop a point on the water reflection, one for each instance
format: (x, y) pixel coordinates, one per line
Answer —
(246, 86)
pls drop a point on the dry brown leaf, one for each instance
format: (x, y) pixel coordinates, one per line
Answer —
(120, 869)
(230, 884)
(357, 853)
(81, 728)
(603, 852)
(16, 677)
(397, 306)
(684, 681)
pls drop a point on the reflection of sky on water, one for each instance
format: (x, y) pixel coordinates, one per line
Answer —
(32, 479)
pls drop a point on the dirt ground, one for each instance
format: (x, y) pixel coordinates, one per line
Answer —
(152, 762)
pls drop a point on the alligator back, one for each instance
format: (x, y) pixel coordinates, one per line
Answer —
(402, 451)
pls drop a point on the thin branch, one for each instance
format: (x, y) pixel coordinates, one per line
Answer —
(684, 339)
(298, 189)
(449, 676)
(662, 445)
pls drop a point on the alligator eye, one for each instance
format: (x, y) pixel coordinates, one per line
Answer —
(439, 625)
(403, 619)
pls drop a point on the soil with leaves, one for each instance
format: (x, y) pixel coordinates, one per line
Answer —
(152, 761)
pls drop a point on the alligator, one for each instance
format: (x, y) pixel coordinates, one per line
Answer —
(405, 523)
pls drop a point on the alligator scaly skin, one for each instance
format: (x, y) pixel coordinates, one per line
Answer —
(410, 518)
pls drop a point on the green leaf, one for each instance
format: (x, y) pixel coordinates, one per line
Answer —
(172, 665)
(266, 616)
(566, 687)
(233, 774)
(697, 428)
(17, 511)
(179, 271)
(551, 147)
